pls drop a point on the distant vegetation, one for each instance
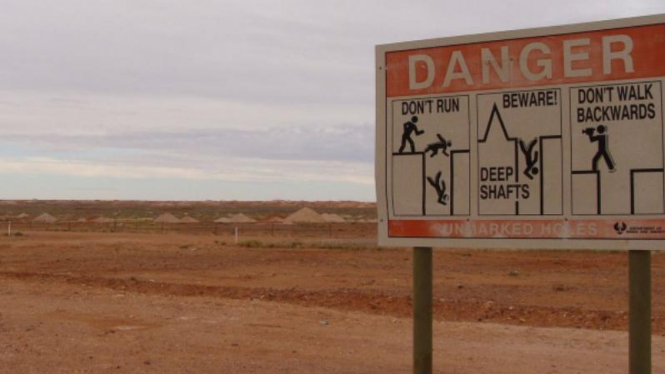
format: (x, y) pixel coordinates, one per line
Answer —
(299, 244)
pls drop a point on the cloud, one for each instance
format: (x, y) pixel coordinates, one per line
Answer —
(70, 113)
(240, 91)
(229, 170)
(344, 143)
(262, 51)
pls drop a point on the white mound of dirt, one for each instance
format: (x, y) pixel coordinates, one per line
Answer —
(102, 219)
(167, 218)
(241, 218)
(332, 217)
(45, 218)
(274, 219)
(305, 215)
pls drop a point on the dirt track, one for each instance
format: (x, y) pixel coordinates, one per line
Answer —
(189, 303)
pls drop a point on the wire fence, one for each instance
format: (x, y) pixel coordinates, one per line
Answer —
(349, 230)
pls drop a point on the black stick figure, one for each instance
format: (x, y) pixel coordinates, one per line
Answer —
(530, 157)
(603, 150)
(409, 128)
(440, 187)
(442, 144)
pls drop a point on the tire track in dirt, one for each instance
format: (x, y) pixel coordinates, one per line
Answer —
(367, 302)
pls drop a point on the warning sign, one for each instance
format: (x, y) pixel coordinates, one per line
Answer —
(520, 155)
(430, 153)
(617, 149)
(524, 138)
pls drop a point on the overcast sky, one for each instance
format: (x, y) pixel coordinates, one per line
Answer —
(221, 100)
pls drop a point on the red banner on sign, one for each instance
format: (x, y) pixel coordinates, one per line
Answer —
(528, 229)
(625, 53)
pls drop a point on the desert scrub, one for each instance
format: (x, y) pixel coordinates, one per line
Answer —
(251, 244)
(294, 244)
(297, 244)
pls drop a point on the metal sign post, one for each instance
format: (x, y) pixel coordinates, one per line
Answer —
(640, 311)
(422, 310)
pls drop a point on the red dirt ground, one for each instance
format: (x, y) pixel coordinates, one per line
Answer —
(131, 301)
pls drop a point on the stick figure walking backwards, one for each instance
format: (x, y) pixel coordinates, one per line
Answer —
(603, 150)
(442, 144)
(440, 187)
(530, 157)
(409, 128)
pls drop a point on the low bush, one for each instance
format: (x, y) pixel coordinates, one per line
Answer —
(251, 244)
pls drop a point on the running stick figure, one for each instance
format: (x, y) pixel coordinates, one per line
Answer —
(530, 157)
(440, 187)
(442, 144)
(603, 150)
(409, 128)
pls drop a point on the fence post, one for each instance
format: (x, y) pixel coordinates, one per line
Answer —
(422, 310)
(639, 332)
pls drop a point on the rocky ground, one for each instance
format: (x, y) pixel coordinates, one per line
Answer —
(137, 303)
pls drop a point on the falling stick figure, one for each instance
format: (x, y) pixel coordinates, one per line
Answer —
(442, 144)
(530, 157)
(440, 187)
(409, 128)
(603, 150)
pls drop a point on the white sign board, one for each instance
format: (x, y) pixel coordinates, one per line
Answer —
(543, 138)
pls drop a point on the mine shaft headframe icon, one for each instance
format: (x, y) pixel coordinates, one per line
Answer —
(531, 156)
(533, 159)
